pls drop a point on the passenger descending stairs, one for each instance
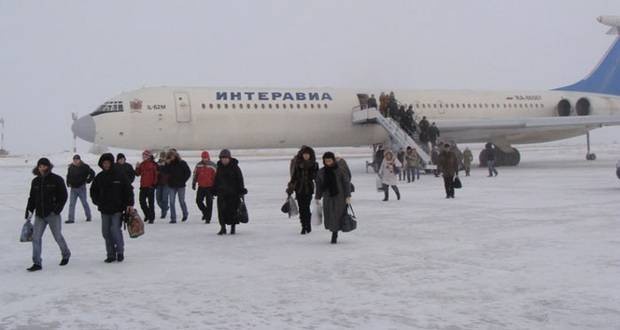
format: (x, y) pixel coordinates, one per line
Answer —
(398, 136)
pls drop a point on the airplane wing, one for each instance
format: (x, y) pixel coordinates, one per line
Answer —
(529, 122)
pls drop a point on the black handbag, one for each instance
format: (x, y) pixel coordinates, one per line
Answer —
(457, 183)
(349, 223)
(242, 212)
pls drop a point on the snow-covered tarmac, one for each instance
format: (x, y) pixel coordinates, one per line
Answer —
(538, 247)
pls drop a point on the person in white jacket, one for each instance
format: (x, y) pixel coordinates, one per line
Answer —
(390, 167)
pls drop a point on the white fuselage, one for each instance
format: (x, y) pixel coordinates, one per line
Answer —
(248, 118)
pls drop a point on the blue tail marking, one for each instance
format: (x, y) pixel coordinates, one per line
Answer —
(605, 79)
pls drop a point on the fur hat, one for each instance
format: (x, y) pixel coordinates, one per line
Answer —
(107, 156)
(44, 161)
(225, 153)
(329, 155)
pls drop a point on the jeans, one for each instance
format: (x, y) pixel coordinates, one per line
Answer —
(147, 203)
(112, 234)
(161, 195)
(79, 192)
(173, 195)
(413, 173)
(203, 194)
(491, 165)
(54, 221)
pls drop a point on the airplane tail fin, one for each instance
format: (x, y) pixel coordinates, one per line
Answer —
(605, 78)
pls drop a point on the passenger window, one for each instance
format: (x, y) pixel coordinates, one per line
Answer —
(204, 106)
(305, 106)
(277, 106)
(210, 105)
(262, 106)
(311, 105)
(318, 106)
(298, 106)
(325, 106)
(225, 105)
(233, 105)
(270, 106)
(218, 106)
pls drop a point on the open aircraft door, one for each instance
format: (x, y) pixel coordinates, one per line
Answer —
(183, 107)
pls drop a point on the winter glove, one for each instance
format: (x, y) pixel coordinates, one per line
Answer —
(193, 186)
(28, 215)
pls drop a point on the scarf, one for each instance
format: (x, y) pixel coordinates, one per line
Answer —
(331, 180)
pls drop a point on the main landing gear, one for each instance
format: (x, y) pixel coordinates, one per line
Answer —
(502, 158)
(589, 155)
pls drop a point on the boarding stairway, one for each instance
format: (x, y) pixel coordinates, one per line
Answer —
(398, 136)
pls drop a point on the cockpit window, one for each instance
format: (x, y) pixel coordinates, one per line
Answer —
(110, 106)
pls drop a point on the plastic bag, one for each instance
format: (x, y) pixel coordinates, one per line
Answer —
(317, 214)
(293, 209)
(27, 232)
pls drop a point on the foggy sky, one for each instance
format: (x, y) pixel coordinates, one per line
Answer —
(58, 57)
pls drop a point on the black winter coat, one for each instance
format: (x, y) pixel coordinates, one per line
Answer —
(178, 173)
(229, 179)
(47, 194)
(302, 179)
(111, 191)
(78, 176)
(127, 170)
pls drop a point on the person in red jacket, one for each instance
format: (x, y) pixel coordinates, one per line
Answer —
(204, 177)
(147, 171)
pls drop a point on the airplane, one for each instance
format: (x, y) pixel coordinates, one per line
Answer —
(196, 118)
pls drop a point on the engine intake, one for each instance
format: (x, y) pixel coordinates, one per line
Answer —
(564, 108)
(583, 107)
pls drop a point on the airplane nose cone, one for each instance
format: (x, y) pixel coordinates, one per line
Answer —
(84, 128)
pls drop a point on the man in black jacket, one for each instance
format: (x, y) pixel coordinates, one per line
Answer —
(48, 196)
(125, 168)
(78, 175)
(112, 194)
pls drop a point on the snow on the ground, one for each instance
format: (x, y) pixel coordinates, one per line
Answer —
(538, 247)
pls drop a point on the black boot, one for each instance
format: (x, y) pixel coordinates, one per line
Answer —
(109, 260)
(303, 231)
(222, 231)
(386, 195)
(232, 229)
(397, 192)
(34, 268)
(64, 261)
(334, 237)
(120, 257)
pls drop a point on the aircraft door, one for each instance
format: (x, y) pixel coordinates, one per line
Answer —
(183, 107)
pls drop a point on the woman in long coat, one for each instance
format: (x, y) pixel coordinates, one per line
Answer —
(334, 187)
(229, 188)
(389, 174)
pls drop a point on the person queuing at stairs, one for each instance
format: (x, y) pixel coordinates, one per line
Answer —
(79, 174)
(204, 178)
(413, 162)
(178, 173)
(433, 134)
(372, 102)
(423, 134)
(230, 189)
(302, 184)
(47, 198)
(147, 171)
(384, 99)
(333, 187)
(162, 190)
(113, 195)
(468, 158)
(448, 165)
(401, 158)
(125, 168)
(435, 159)
(388, 174)
(408, 122)
(392, 105)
